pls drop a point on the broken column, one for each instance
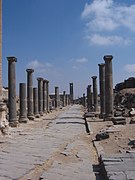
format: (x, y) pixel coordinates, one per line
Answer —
(64, 98)
(12, 91)
(108, 87)
(40, 95)
(35, 102)
(23, 103)
(95, 94)
(56, 97)
(30, 93)
(102, 89)
(71, 94)
(89, 98)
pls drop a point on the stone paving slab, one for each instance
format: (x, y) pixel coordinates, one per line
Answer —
(119, 166)
(60, 151)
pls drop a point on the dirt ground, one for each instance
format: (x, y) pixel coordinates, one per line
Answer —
(120, 136)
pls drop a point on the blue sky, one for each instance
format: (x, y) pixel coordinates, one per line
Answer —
(65, 40)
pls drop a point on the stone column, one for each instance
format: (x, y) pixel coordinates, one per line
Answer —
(108, 86)
(30, 93)
(44, 96)
(3, 121)
(71, 93)
(35, 102)
(64, 98)
(84, 100)
(102, 89)
(23, 103)
(56, 97)
(47, 94)
(12, 91)
(40, 95)
(95, 94)
(1, 50)
(89, 98)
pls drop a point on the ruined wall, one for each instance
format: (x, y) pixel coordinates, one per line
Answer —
(128, 83)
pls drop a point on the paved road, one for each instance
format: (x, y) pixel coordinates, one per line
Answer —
(61, 150)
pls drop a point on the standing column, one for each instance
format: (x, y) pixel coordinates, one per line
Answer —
(47, 95)
(102, 89)
(23, 103)
(71, 93)
(3, 107)
(84, 100)
(0, 50)
(64, 98)
(56, 97)
(89, 98)
(12, 91)
(108, 86)
(40, 95)
(35, 102)
(44, 96)
(95, 95)
(30, 93)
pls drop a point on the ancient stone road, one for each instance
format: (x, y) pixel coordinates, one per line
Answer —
(60, 151)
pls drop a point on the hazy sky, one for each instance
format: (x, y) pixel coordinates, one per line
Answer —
(65, 40)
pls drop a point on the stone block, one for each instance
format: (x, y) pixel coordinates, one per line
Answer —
(119, 120)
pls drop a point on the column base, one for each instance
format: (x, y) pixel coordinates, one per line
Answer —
(23, 119)
(37, 115)
(13, 124)
(31, 117)
(101, 116)
(108, 118)
(41, 113)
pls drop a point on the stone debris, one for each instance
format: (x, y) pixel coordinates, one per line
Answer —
(102, 135)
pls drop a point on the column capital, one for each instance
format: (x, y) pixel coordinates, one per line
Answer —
(94, 77)
(40, 79)
(108, 57)
(29, 70)
(89, 86)
(101, 65)
(45, 80)
(12, 59)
